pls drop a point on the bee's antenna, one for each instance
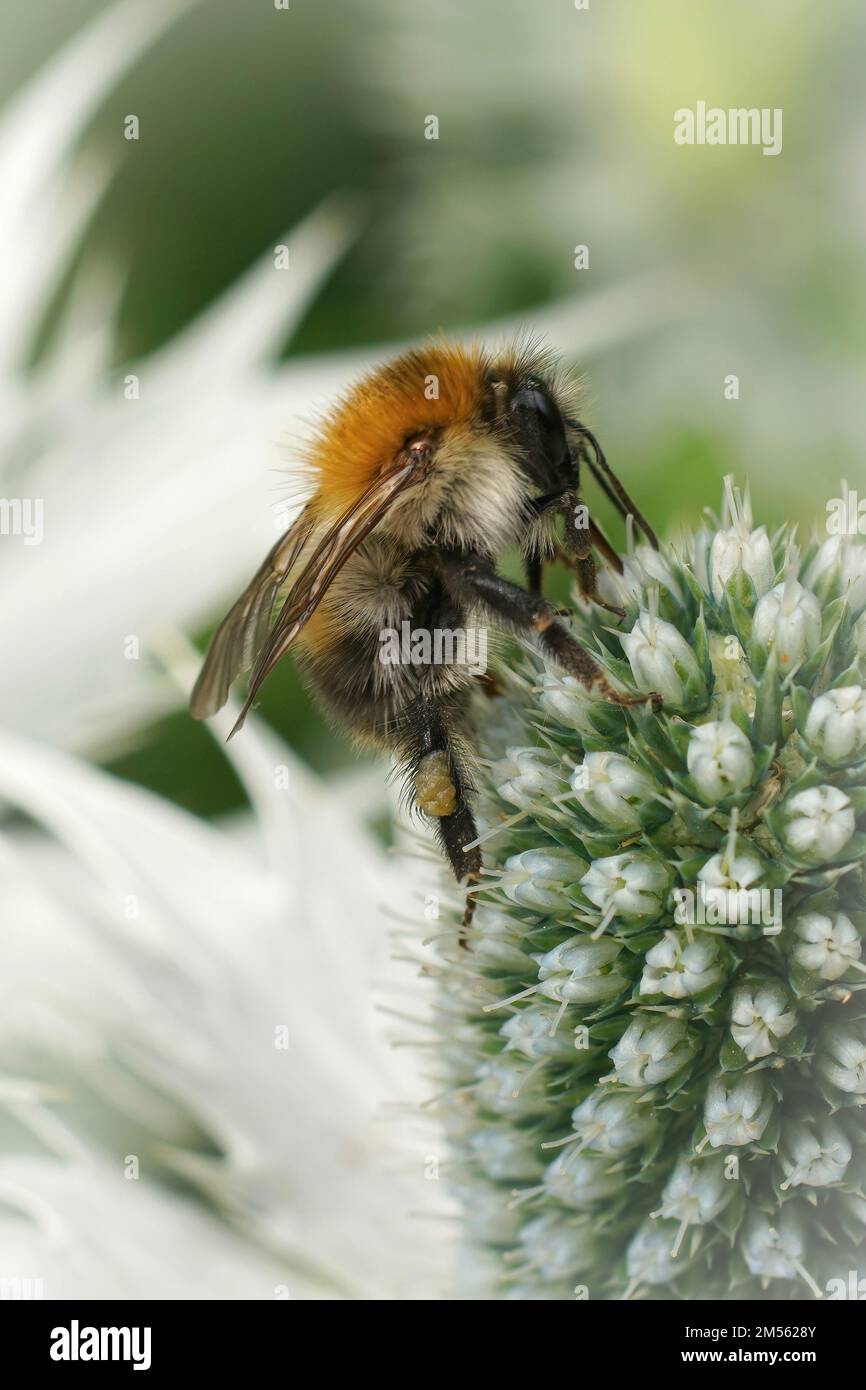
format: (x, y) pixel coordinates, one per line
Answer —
(611, 485)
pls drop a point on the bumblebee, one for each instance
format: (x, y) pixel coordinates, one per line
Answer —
(426, 471)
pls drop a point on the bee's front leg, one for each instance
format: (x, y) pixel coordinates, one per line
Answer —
(581, 534)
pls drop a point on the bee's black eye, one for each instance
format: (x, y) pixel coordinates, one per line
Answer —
(542, 432)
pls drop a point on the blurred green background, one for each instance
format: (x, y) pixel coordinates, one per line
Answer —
(555, 130)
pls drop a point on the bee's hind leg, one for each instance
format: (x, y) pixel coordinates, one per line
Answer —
(440, 789)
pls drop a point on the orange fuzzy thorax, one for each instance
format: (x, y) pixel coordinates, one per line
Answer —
(369, 426)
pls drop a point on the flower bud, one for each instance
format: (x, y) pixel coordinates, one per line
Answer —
(579, 1180)
(532, 1031)
(526, 776)
(642, 569)
(680, 968)
(614, 790)
(814, 1155)
(842, 1058)
(579, 971)
(558, 1249)
(761, 1017)
(538, 878)
(839, 567)
(488, 1219)
(566, 700)
(506, 1155)
(735, 550)
(720, 760)
(818, 823)
(730, 887)
(695, 1193)
(825, 944)
(508, 1085)
(613, 1123)
(661, 659)
(836, 725)
(496, 940)
(775, 1249)
(652, 1049)
(788, 621)
(854, 576)
(631, 885)
(737, 1110)
(648, 1257)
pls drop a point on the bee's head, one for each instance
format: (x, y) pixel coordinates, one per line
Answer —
(532, 415)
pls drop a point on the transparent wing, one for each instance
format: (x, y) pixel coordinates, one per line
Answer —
(241, 634)
(325, 563)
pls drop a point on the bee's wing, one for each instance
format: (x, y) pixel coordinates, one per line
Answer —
(325, 563)
(240, 635)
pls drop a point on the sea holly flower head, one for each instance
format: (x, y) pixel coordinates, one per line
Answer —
(680, 1063)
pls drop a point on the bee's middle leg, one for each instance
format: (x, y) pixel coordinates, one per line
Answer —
(474, 580)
